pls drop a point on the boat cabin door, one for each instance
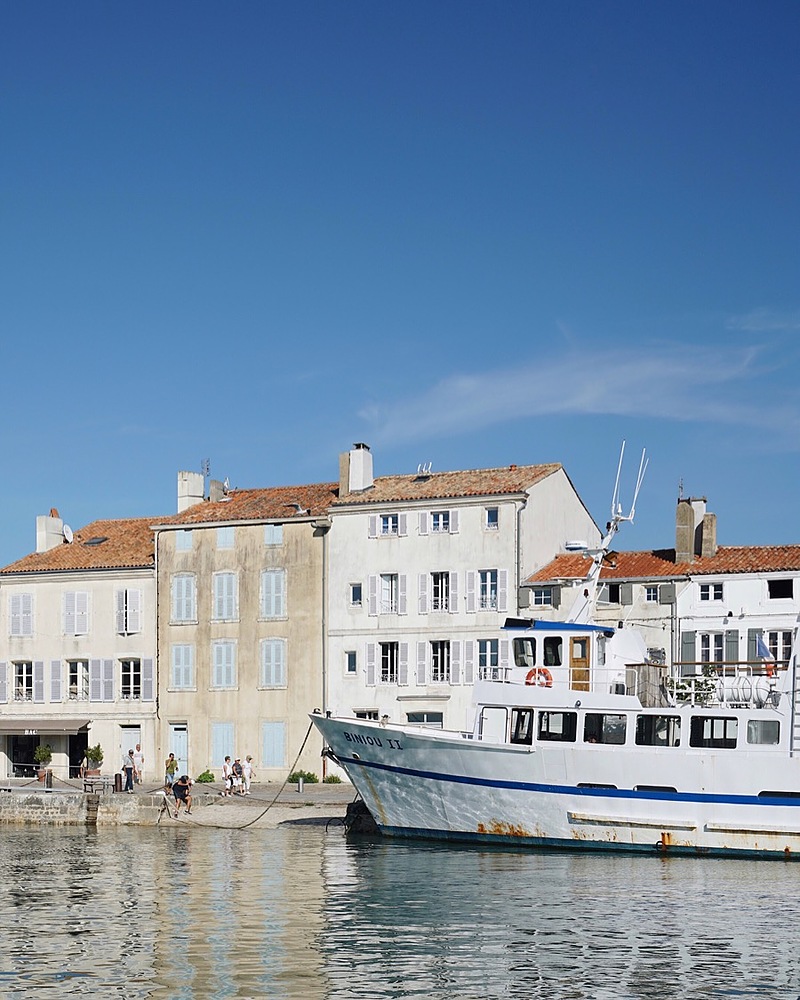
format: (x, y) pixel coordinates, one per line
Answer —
(579, 662)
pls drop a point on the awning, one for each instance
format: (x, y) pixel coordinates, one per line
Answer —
(13, 725)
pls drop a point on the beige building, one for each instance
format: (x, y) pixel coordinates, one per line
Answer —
(241, 625)
(78, 646)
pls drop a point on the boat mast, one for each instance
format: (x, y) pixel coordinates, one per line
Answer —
(583, 609)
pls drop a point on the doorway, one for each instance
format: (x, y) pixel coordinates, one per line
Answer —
(179, 745)
(22, 750)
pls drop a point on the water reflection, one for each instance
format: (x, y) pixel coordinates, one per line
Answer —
(299, 914)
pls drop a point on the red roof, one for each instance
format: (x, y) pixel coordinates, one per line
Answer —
(119, 544)
(275, 503)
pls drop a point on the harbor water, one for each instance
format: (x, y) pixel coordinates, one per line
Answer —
(302, 912)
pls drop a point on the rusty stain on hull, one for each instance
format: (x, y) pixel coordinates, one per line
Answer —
(496, 828)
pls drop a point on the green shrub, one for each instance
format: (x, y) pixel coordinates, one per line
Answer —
(307, 776)
(43, 754)
(205, 778)
(332, 779)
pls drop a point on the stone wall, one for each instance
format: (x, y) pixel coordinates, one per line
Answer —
(78, 809)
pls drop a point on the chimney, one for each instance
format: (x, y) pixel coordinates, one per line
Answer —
(190, 489)
(49, 531)
(216, 490)
(355, 470)
(691, 530)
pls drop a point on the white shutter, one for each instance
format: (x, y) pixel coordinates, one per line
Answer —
(471, 591)
(38, 680)
(81, 613)
(423, 593)
(423, 522)
(372, 595)
(455, 662)
(15, 614)
(95, 681)
(134, 608)
(453, 522)
(147, 680)
(373, 526)
(502, 590)
(55, 680)
(69, 613)
(371, 664)
(453, 593)
(503, 655)
(402, 524)
(3, 681)
(402, 590)
(402, 664)
(120, 618)
(421, 662)
(108, 680)
(469, 662)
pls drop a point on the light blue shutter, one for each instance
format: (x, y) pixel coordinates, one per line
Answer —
(3, 681)
(95, 681)
(15, 614)
(469, 662)
(147, 680)
(55, 680)
(38, 680)
(402, 664)
(221, 742)
(453, 593)
(108, 680)
(273, 744)
(421, 662)
(371, 664)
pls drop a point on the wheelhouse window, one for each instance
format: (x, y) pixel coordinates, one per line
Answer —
(78, 672)
(763, 732)
(440, 591)
(600, 727)
(433, 720)
(489, 659)
(559, 727)
(390, 654)
(131, 686)
(23, 680)
(369, 713)
(710, 591)
(522, 726)
(553, 646)
(658, 730)
(440, 661)
(716, 732)
(525, 652)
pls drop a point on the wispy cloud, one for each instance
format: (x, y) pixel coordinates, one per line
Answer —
(677, 382)
(763, 320)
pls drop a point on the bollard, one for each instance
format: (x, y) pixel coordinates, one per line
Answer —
(48, 778)
(300, 783)
(118, 781)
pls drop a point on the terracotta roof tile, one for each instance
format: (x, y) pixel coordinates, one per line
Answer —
(127, 544)
(660, 563)
(274, 503)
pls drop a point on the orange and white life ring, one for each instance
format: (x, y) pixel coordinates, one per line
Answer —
(539, 676)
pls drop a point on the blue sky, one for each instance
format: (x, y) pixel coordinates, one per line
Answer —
(466, 233)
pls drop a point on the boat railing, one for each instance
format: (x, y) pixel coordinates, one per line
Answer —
(735, 683)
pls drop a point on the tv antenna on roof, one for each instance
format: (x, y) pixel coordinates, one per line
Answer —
(424, 468)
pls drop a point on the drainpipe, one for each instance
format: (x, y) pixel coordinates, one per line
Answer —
(323, 525)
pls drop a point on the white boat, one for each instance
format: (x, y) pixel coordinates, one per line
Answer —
(584, 744)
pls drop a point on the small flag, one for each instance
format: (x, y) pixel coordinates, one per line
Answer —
(762, 649)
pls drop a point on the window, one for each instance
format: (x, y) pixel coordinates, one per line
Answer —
(714, 731)
(558, 726)
(184, 604)
(76, 612)
(131, 686)
(389, 524)
(222, 734)
(488, 659)
(226, 596)
(23, 681)
(369, 714)
(273, 534)
(779, 590)
(351, 663)
(225, 537)
(273, 744)
(710, 591)
(78, 674)
(223, 663)
(440, 591)
(525, 652)
(763, 732)
(128, 617)
(440, 661)
(711, 647)
(356, 595)
(183, 540)
(651, 594)
(434, 720)
(522, 726)
(182, 666)
(492, 518)
(542, 597)
(487, 594)
(612, 593)
(552, 645)
(388, 603)
(604, 728)
(273, 663)
(440, 520)
(273, 593)
(780, 645)
(20, 614)
(658, 730)
(389, 659)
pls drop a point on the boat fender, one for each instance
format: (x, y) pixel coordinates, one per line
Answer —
(540, 676)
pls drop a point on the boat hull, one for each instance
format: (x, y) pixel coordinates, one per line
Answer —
(417, 784)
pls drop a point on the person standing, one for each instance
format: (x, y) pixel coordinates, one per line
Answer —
(238, 774)
(138, 760)
(248, 773)
(129, 770)
(170, 767)
(227, 778)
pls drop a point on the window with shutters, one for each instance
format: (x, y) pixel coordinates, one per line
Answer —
(78, 673)
(76, 612)
(712, 647)
(273, 663)
(226, 596)
(20, 615)
(273, 744)
(440, 661)
(223, 663)
(487, 593)
(184, 598)
(488, 659)
(389, 660)
(222, 734)
(273, 534)
(183, 540)
(23, 680)
(389, 524)
(131, 679)
(440, 591)
(128, 611)
(780, 645)
(542, 597)
(273, 593)
(182, 666)
(440, 521)
(388, 598)
(651, 594)
(225, 537)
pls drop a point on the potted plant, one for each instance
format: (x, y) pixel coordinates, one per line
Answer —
(43, 754)
(94, 758)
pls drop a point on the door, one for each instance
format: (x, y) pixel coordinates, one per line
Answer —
(179, 745)
(130, 736)
(579, 662)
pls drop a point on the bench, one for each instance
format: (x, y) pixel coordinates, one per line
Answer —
(98, 784)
